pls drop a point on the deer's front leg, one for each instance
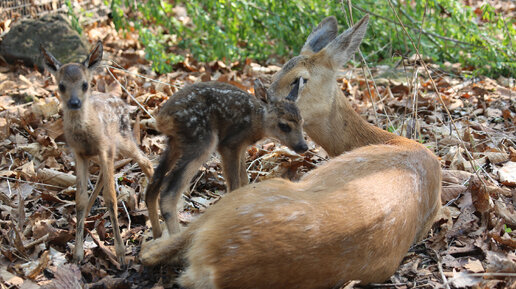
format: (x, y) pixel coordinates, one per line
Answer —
(244, 178)
(81, 204)
(233, 165)
(107, 163)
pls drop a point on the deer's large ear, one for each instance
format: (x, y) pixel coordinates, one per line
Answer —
(346, 44)
(95, 57)
(323, 34)
(296, 90)
(260, 91)
(49, 61)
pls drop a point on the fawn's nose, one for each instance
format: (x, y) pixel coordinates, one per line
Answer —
(301, 147)
(74, 103)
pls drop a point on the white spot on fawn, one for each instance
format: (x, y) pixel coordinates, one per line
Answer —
(246, 234)
(294, 215)
(244, 210)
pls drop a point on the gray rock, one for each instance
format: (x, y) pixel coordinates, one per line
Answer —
(54, 32)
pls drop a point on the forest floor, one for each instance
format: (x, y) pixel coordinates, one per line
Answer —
(471, 244)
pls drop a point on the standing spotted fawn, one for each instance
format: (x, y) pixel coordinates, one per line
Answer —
(95, 124)
(353, 218)
(209, 116)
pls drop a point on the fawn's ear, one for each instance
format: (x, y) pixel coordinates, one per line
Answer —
(49, 61)
(95, 57)
(296, 90)
(260, 91)
(342, 48)
(323, 34)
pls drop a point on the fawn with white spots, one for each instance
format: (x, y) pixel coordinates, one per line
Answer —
(209, 116)
(95, 124)
(353, 218)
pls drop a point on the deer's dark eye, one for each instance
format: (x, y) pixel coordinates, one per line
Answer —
(297, 80)
(62, 88)
(84, 86)
(284, 127)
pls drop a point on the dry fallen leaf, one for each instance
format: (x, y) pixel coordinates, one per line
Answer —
(479, 195)
(508, 174)
(474, 266)
(66, 277)
(463, 279)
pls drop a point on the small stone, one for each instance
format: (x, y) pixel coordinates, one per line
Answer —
(53, 31)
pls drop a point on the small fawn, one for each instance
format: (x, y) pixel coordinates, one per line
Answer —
(353, 218)
(95, 124)
(214, 115)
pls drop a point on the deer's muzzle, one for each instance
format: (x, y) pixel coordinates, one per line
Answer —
(74, 103)
(300, 147)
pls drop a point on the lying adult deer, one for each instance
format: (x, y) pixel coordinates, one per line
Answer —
(95, 124)
(213, 115)
(353, 218)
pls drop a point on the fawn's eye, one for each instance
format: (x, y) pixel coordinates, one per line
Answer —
(62, 88)
(84, 86)
(284, 127)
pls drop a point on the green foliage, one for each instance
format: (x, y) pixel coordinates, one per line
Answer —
(264, 29)
(506, 228)
(73, 17)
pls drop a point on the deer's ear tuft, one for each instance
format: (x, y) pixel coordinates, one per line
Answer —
(260, 91)
(346, 44)
(323, 34)
(95, 57)
(49, 61)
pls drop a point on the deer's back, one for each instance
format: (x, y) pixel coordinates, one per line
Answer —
(205, 107)
(354, 212)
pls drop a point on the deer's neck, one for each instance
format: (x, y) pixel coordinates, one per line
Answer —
(343, 129)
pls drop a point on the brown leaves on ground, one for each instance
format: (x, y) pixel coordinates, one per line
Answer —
(472, 242)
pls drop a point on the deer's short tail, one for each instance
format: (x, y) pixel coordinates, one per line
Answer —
(165, 124)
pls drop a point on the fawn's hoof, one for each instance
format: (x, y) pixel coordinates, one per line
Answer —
(120, 256)
(78, 255)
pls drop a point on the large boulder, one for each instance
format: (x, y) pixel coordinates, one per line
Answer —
(53, 31)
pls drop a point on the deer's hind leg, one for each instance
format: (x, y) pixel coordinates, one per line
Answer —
(98, 188)
(81, 204)
(107, 159)
(194, 154)
(129, 148)
(167, 161)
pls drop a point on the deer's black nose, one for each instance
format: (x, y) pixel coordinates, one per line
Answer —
(74, 103)
(301, 147)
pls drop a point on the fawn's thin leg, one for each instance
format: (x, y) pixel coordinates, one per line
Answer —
(130, 149)
(168, 160)
(244, 178)
(193, 156)
(233, 165)
(107, 159)
(98, 187)
(81, 204)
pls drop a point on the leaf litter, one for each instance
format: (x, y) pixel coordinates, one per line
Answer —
(472, 242)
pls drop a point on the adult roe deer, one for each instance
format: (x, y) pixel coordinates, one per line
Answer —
(95, 124)
(353, 218)
(214, 115)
